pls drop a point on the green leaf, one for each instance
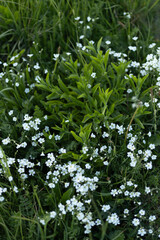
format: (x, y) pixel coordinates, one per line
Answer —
(155, 139)
(99, 44)
(62, 86)
(117, 235)
(66, 195)
(139, 123)
(77, 137)
(94, 89)
(106, 59)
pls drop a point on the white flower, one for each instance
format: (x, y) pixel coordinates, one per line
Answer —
(93, 75)
(1, 199)
(148, 165)
(152, 218)
(53, 214)
(142, 212)
(26, 126)
(114, 192)
(147, 190)
(80, 216)
(135, 38)
(126, 211)
(108, 42)
(152, 146)
(42, 221)
(129, 90)
(62, 150)
(10, 112)
(29, 55)
(98, 222)
(77, 18)
(152, 45)
(142, 232)
(26, 90)
(135, 222)
(36, 66)
(104, 135)
(56, 56)
(106, 163)
(41, 140)
(6, 141)
(57, 137)
(85, 150)
(87, 166)
(113, 218)
(89, 19)
(51, 185)
(10, 179)
(105, 208)
(112, 126)
(79, 45)
(93, 135)
(66, 185)
(132, 48)
(146, 104)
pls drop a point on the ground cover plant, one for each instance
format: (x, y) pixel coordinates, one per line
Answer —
(79, 122)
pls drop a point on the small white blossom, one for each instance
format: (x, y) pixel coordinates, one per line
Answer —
(135, 222)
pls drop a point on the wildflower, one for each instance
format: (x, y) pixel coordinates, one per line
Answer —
(6, 141)
(142, 212)
(26, 90)
(51, 185)
(98, 222)
(10, 112)
(129, 90)
(152, 218)
(80, 216)
(87, 166)
(152, 146)
(36, 66)
(147, 190)
(135, 38)
(113, 218)
(10, 179)
(26, 126)
(53, 214)
(135, 222)
(56, 56)
(77, 18)
(89, 19)
(93, 75)
(42, 221)
(114, 192)
(132, 48)
(106, 163)
(108, 42)
(105, 208)
(126, 211)
(85, 149)
(81, 37)
(152, 45)
(141, 231)
(148, 165)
